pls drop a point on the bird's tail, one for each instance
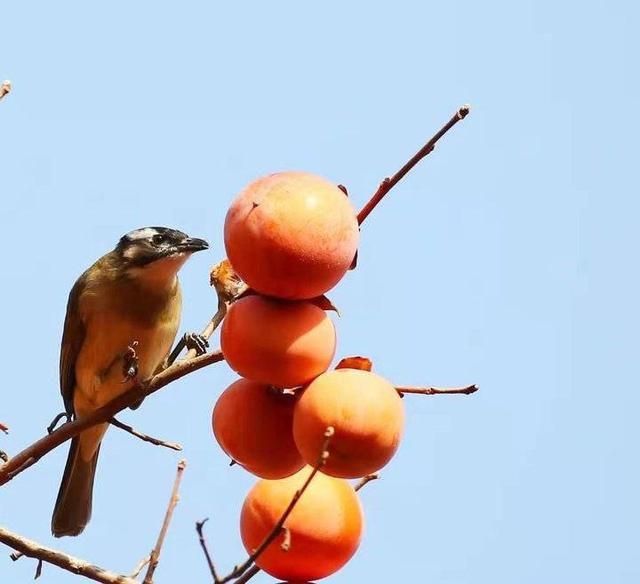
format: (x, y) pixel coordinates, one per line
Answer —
(73, 505)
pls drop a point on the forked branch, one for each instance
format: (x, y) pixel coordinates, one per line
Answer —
(242, 570)
(74, 565)
(37, 450)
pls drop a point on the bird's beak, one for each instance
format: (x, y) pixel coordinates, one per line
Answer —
(192, 244)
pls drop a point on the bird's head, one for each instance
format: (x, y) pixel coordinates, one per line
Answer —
(156, 254)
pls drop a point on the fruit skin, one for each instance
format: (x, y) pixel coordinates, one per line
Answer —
(291, 235)
(366, 412)
(280, 343)
(325, 525)
(253, 425)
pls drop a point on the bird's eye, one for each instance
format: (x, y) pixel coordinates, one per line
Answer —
(158, 239)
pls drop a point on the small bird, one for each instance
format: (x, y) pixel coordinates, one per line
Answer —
(122, 317)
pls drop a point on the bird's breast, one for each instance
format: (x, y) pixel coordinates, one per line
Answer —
(109, 332)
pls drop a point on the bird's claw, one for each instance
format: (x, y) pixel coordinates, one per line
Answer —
(130, 362)
(52, 426)
(196, 342)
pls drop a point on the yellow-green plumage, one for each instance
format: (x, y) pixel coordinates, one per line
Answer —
(114, 303)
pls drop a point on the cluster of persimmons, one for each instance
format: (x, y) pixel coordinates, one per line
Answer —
(291, 237)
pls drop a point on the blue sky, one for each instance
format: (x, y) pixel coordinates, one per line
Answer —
(508, 259)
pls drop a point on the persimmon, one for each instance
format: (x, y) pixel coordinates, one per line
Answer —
(253, 425)
(325, 526)
(291, 235)
(282, 343)
(366, 412)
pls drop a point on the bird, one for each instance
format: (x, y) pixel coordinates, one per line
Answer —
(122, 318)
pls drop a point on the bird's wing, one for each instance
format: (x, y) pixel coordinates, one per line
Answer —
(72, 339)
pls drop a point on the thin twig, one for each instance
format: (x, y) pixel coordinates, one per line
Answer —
(4, 428)
(173, 501)
(38, 570)
(469, 389)
(141, 564)
(5, 89)
(205, 549)
(365, 480)
(277, 528)
(388, 183)
(66, 562)
(38, 449)
(145, 437)
(250, 573)
(15, 556)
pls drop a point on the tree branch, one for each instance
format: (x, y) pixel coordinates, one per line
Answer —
(144, 437)
(38, 449)
(388, 183)
(365, 480)
(467, 390)
(277, 528)
(205, 549)
(154, 558)
(74, 565)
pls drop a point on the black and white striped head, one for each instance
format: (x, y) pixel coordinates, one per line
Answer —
(149, 244)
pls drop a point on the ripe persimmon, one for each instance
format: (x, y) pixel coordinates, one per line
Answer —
(324, 527)
(291, 235)
(366, 412)
(282, 343)
(253, 424)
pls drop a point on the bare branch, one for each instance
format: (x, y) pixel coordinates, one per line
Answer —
(250, 573)
(141, 564)
(4, 428)
(467, 390)
(144, 437)
(365, 480)
(154, 558)
(277, 528)
(388, 183)
(5, 89)
(74, 565)
(38, 449)
(205, 549)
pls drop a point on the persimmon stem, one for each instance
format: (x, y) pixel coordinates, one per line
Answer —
(388, 183)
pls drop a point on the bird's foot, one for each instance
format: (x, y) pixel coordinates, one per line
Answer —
(52, 426)
(130, 362)
(196, 342)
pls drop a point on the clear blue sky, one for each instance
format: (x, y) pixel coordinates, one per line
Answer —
(508, 258)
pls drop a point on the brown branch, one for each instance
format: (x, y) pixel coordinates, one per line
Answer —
(144, 437)
(5, 89)
(365, 480)
(141, 564)
(154, 558)
(469, 389)
(38, 449)
(4, 428)
(250, 573)
(277, 528)
(388, 183)
(205, 549)
(66, 562)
